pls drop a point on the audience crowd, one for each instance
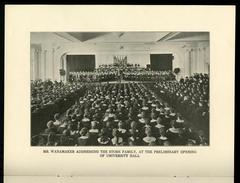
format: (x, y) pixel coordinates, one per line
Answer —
(190, 96)
(126, 114)
(47, 92)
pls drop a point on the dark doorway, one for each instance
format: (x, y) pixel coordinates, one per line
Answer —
(161, 62)
(76, 63)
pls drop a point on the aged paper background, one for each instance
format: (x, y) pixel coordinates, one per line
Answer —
(213, 161)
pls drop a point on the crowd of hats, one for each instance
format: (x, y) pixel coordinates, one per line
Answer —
(190, 96)
(120, 114)
(48, 92)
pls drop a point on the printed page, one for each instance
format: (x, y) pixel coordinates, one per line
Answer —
(55, 35)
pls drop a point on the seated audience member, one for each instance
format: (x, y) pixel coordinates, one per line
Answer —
(162, 138)
(122, 131)
(50, 128)
(94, 129)
(93, 133)
(159, 124)
(134, 128)
(128, 122)
(191, 142)
(57, 121)
(51, 140)
(83, 140)
(73, 121)
(173, 133)
(63, 126)
(35, 140)
(108, 128)
(103, 140)
(182, 139)
(86, 121)
(117, 140)
(41, 141)
(180, 121)
(64, 139)
(134, 139)
(146, 126)
(79, 127)
(72, 130)
(201, 140)
(172, 113)
(188, 132)
(166, 119)
(149, 139)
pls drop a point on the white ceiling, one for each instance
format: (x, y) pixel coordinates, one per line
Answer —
(118, 37)
(128, 37)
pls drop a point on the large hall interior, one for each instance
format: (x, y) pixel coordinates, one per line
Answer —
(119, 88)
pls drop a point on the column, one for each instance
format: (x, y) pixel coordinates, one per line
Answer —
(53, 69)
(191, 62)
(187, 63)
(204, 59)
(36, 69)
(62, 66)
(65, 66)
(39, 63)
(199, 61)
(198, 64)
(45, 64)
(32, 70)
(207, 55)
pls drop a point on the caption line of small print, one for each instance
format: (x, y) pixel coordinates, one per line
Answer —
(121, 153)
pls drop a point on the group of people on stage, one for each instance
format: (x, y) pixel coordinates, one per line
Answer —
(129, 74)
(96, 76)
(148, 76)
(121, 114)
(190, 96)
(48, 92)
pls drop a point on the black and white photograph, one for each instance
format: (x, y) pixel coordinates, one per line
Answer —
(120, 88)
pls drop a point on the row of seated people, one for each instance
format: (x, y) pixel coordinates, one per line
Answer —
(126, 74)
(148, 76)
(95, 76)
(120, 114)
(48, 92)
(116, 67)
(190, 96)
